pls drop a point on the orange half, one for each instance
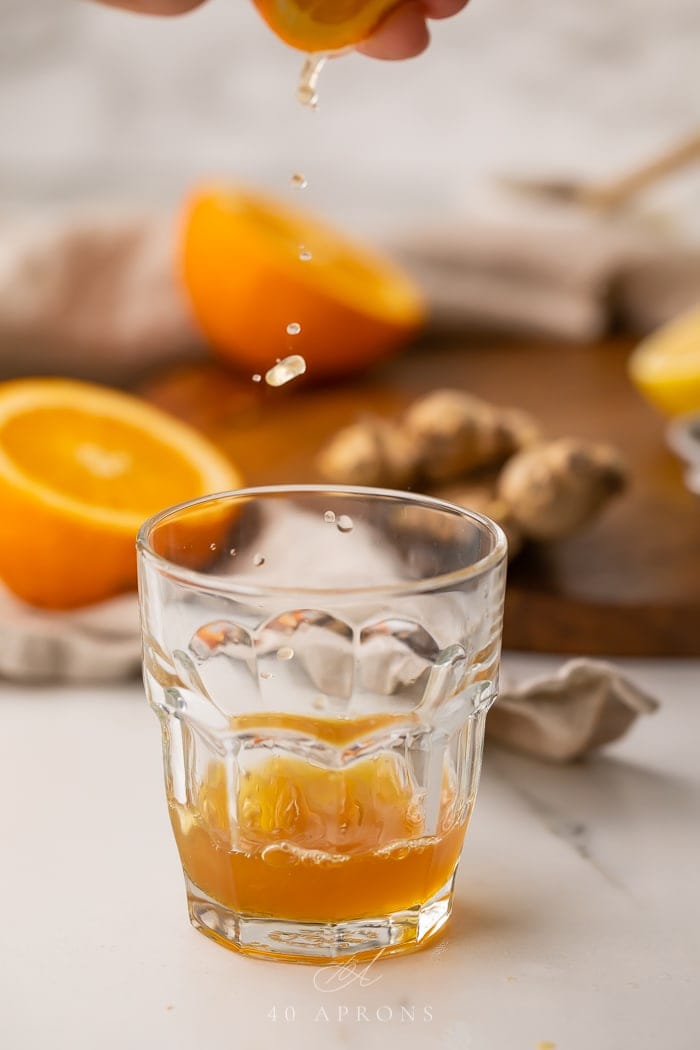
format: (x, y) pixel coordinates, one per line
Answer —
(666, 366)
(243, 270)
(324, 25)
(81, 467)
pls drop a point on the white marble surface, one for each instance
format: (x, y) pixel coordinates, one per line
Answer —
(99, 104)
(576, 920)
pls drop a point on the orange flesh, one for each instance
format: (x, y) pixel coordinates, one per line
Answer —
(323, 25)
(316, 844)
(98, 460)
(81, 466)
(245, 282)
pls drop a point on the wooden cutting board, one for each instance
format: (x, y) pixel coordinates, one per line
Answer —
(628, 585)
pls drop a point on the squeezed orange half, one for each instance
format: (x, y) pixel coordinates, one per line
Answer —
(324, 25)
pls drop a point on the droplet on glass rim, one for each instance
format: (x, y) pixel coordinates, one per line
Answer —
(286, 370)
(266, 674)
(212, 546)
(299, 181)
(285, 653)
(329, 517)
(293, 328)
(258, 559)
(257, 378)
(345, 523)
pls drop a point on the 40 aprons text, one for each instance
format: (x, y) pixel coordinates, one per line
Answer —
(341, 1013)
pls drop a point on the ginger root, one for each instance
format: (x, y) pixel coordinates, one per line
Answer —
(555, 487)
(372, 451)
(481, 457)
(454, 433)
(441, 437)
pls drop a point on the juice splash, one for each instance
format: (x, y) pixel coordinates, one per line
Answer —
(292, 839)
(285, 370)
(307, 88)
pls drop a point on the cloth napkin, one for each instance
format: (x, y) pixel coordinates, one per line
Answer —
(99, 643)
(563, 717)
(92, 294)
(527, 266)
(95, 294)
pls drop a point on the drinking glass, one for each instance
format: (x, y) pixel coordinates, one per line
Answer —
(321, 661)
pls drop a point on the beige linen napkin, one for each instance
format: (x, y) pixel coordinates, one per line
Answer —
(562, 717)
(94, 294)
(99, 643)
(556, 270)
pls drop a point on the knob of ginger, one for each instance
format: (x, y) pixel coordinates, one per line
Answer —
(370, 452)
(442, 437)
(454, 433)
(553, 488)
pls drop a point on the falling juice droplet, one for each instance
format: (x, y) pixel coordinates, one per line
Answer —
(294, 328)
(258, 559)
(307, 91)
(257, 378)
(299, 181)
(285, 653)
(304, 254)
(345, 523)
(329, 517)
(285, 370)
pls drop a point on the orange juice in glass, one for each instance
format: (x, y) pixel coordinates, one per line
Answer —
(322, 672)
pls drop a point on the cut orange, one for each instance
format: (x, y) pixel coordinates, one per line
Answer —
(81, 467)
(247, 282)
(666, 366)
(324, 25)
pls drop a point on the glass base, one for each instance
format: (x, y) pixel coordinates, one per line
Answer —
(286, 940)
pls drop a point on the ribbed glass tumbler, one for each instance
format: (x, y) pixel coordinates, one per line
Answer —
(321, 661)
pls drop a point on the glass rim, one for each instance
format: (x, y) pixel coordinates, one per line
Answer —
(228, 586)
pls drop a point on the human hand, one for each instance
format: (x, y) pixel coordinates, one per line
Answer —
(403, 34)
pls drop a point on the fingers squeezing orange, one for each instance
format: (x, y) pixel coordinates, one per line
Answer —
(380, 28)
(323, 25)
